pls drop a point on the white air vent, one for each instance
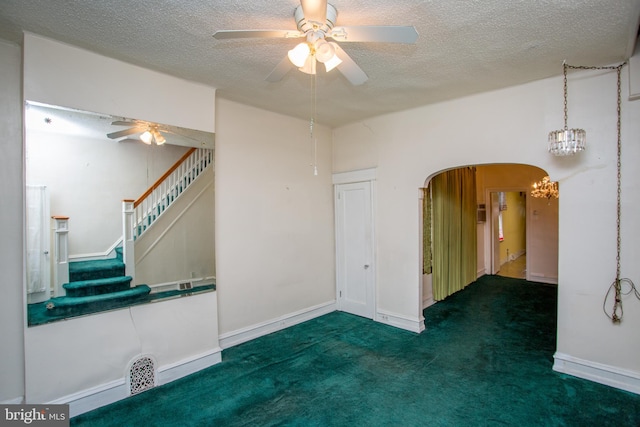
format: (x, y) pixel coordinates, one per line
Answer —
(142, 375)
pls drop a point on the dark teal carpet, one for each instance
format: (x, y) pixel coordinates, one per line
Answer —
(484, 360)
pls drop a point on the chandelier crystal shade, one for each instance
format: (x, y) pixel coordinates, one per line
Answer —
(545, 189)
(567, 142)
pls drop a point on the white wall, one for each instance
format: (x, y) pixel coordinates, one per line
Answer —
(60, 74)
(179, 245)
(511, 126)
(11, 215)
(61, 357)
(88, 178)
(274, 218)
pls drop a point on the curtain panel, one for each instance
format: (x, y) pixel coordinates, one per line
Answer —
(454, 231)
(427, 243)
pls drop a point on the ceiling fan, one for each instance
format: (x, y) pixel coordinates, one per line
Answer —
(149, 132)
(315, 20)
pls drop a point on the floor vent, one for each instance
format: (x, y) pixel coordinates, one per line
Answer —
(142, 375)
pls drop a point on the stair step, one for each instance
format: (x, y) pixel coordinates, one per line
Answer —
(84, 288)
(90, 304)
(97, 269)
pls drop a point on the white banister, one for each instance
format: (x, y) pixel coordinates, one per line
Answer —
(60, 254)
(128, 256)
(168, 188)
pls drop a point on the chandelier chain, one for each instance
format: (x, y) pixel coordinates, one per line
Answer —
(564, 66)
(616, 286)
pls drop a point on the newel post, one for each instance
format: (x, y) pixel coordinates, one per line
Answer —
(127, 238)
(60, 254)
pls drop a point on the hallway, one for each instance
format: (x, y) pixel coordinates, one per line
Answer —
(516, 269)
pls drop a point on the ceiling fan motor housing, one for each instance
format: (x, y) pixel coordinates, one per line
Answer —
(304, 25)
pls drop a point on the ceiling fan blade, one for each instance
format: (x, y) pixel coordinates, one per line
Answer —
(123, 123)
(314, 10)
(247, 34)
(375, 33)
(125, 132)
(281, 69)
(349, 68)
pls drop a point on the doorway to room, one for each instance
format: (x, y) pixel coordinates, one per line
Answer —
(508, 233)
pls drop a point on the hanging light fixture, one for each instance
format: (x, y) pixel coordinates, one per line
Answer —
(566, 142)
(146, 137)
(299, 54)
(152, 135)
(316, 48)
(545, 189)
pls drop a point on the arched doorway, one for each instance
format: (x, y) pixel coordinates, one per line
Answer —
(541, 224)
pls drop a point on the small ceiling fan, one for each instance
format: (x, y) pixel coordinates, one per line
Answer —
(149, 132)
(315, 20)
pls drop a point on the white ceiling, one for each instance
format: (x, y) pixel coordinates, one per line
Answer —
(464, 46)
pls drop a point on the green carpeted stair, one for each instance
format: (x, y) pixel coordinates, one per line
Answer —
(96, 285)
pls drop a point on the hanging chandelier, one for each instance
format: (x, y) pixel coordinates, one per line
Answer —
(566, 142)
(545, 189)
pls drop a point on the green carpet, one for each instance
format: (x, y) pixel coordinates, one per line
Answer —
(484, 360)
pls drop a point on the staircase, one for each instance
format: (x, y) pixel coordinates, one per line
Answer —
(169, 187)
(96, 286)
(101, 285)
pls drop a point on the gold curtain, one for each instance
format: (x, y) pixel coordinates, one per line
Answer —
(454, 231)
(427, 256)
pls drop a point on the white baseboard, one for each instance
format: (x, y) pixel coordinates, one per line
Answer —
(428, 302)
(105, 394)
(229, 339)
(597, 372)
(14, 401)
(541, 278)
(185, 367)
(400, 321)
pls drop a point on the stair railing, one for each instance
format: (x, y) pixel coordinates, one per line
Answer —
(148, 207)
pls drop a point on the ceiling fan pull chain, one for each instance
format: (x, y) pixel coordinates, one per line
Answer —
(312, 122)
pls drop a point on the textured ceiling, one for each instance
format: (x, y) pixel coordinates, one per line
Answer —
(464, 46)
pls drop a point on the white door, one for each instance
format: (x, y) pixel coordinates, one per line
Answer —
(38, 258)
(354, 249)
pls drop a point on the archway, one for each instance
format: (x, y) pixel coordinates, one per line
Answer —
(541, 237)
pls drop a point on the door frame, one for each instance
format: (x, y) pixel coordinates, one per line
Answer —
(489, 234)
(354, 177)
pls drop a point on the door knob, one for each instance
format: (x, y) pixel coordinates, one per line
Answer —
(366, 266)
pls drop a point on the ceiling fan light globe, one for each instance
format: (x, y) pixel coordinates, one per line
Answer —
(309, 66)
(157, 136)
(332, 63)
(146, 137)
(324, 51)
(299, 54)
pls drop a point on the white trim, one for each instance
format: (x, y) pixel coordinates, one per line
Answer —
(230, 339)
(400, 321)
(175, 220)
(541, 278)
(597, 372)
(110, 253)
(354, 176)
(182, 368)
(14, 401)
(94, 397)
(175, 285)
(113, 391)
(428, 302)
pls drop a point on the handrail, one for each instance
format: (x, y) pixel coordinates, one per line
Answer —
(162, 193)
(163, 177)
